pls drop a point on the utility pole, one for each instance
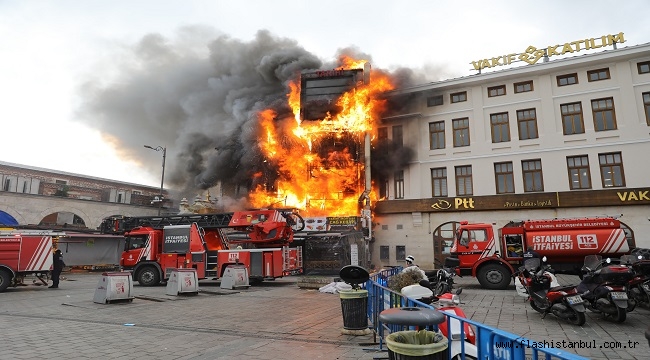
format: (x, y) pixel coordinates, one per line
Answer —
(162, 178)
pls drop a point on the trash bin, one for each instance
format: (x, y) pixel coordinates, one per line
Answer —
(354, 304)
(410, 345)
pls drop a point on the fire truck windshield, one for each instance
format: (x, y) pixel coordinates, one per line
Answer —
(134, 242)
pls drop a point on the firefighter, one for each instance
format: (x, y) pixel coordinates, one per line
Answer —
(57, 267)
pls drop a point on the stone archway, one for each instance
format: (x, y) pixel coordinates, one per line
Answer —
(443, 238)
(7, 219)
(63, 219)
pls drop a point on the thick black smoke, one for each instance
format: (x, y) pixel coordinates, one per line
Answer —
(199, 95)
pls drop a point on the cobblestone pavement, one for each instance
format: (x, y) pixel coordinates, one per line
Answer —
(273, 320)
(601, 339)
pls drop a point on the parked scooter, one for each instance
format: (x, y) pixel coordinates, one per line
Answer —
(562, 301)
(638, 289)
(448, 303)
(604, 287)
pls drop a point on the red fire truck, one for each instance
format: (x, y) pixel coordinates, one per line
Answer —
(24, 253)
(476, 250)
(209, 243)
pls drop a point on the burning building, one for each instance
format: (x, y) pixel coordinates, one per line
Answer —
(320, 159)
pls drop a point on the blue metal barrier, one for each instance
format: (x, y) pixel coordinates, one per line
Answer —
(491, 343)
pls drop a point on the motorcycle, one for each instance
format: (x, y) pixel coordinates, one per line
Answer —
(444, 281)
(562, 301)
(441, 280)
(604, 287)
(638, 289)
(447, 303)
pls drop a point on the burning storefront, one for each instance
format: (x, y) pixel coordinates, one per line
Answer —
(322, 159)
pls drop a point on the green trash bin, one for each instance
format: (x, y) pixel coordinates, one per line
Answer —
(411, 345)
(354, 304)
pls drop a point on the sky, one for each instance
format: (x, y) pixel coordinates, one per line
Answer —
(85, 84)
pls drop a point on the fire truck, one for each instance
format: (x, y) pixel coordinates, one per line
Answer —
(210, 243)
(476, 250)
(24, 253)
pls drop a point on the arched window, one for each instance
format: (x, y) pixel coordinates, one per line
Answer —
(443, 239)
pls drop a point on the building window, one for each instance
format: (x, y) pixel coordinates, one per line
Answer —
(604, 114)
(464, 180)
(437, 135)
(136, 192)
(611, 169)
(496, 91)
(60, 182)
(525, 86)
(600, 74)
(459, 97)
(504, 178)
(439, 182)
(527, 124)
(643, 67)
(572, 121)
(569, 79)
(400, 252)
(434, 100)
(384, 252)
(383, 188)
(461, 132)
(399, 184)
(382, 133)
(646, 105)
(500, 127)
(398, 138)
(532, 172)
(579, 175)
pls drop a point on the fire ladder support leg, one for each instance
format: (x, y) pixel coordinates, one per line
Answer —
(285, 258)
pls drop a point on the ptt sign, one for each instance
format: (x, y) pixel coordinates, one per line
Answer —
(458, 203)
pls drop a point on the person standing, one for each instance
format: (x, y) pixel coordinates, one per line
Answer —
(57, 267)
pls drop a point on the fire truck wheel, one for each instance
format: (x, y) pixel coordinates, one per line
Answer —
(5, 280)
(148, 276)
(494, 277)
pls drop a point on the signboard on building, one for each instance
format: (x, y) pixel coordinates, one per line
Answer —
(320, 91)
(533, 54)
(547, 200)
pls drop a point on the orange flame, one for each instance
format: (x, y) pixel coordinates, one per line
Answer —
(321, 183)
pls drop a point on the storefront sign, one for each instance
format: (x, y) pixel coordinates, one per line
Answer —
(563, 199)
(532, 54)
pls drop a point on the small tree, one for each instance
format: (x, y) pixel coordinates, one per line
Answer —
(62, 191)
(405, 278)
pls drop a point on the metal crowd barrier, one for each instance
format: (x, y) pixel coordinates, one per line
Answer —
(491, 343)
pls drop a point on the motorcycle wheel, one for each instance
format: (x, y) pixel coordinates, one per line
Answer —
(578, 319)
(539, 309)
(441, 288)
(467, 357)
(620, 316)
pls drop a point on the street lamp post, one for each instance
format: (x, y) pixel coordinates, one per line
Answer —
(162, 178)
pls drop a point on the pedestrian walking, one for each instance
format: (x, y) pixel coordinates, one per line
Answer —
(57, 267)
